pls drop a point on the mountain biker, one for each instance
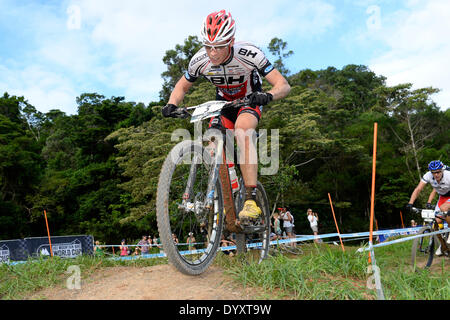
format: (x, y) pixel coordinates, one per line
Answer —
(438, 177)
(235, 69)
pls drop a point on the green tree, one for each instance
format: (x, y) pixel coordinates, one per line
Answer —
(20, 167)
(416, 118)
(277, 47)
(177, 61)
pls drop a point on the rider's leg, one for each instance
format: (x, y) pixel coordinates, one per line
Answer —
(444, 207)
(248, 159)
(245, 137)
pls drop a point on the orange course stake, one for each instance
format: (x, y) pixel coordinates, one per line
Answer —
(334, 217)
(372, 200)
(401, 217)
(48, 233)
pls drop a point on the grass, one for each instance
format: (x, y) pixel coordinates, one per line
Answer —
(325, 272)
(322, 272)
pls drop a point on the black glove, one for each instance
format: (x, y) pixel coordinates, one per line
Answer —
(428, 206)
(168, 109)
(409, 207)
(171, 110)
(259, 99)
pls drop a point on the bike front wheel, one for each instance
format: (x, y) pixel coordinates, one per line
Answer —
(182, 210)
(422, 251)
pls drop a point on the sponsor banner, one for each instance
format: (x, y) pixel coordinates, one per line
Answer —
(13, 250)
(384, 237)
(62, 246)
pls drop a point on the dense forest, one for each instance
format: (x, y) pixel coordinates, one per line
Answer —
(96, 172)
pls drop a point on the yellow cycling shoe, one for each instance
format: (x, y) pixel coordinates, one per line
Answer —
(251, 211)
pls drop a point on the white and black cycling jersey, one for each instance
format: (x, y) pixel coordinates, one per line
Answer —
(237, 77)
(443, 187)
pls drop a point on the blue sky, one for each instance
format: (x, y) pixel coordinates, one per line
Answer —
(53, 51)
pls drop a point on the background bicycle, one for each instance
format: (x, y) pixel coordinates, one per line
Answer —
(424, 248)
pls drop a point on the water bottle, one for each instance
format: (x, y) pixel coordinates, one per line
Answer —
(233, 176)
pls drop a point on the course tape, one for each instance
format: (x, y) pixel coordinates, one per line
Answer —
(298, 238)
(387, 243)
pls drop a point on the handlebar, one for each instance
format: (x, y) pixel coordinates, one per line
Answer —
(237, 103)
(430, 213)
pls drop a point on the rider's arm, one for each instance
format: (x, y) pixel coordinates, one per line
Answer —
(432, 195)
(417, 191)
(280, 86)
(180, 90)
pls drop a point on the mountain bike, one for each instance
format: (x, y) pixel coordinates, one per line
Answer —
(196, 195)
(424, 248)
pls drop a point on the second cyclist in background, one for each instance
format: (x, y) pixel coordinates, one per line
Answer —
(438, 177)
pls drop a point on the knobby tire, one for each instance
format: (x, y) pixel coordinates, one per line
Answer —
(172, 220)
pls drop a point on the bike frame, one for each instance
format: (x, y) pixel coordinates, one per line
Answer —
(434, 226)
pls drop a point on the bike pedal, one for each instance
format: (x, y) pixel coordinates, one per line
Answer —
(247, 221)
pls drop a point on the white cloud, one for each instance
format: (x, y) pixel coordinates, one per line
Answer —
(116, 48)
(419, 50)
(45, 90)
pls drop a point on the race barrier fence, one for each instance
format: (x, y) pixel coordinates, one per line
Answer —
(20, 250)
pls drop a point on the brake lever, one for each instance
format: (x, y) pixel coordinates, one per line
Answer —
(181, 113)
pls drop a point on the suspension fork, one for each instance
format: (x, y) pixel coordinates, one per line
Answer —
(214, 173)
(197, 159)
(191, 179)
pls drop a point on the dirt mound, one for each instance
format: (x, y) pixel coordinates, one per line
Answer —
(161, 282)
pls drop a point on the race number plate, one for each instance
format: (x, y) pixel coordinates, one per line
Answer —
(428, 214)
(207, 110)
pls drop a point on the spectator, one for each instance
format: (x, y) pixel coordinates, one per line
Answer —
(123, 248)
(98, 251)
(191, 241)
(227, 243)
(157, 242)
(277, 226)
(136, 251)
(288, 224)
(150, 243)
(143, 245)
(175, 239)
(413, 223)
(313, 219)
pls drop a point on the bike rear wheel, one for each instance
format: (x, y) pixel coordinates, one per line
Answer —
(187, 168)
(422, 251)
(261, 229)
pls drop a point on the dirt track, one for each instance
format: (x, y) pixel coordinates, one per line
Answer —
(161, 282)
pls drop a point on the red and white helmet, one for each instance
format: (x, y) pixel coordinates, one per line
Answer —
(218, 27)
